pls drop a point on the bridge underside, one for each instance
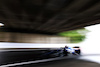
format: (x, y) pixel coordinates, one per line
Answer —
(48, 16)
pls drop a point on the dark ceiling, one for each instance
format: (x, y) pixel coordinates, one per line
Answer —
(48, 16)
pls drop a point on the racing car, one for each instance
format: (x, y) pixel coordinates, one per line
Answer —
(72, 50)
(66, 51)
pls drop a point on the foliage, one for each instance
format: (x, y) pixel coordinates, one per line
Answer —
(75, 36)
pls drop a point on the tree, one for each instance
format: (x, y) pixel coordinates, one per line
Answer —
(75, 36)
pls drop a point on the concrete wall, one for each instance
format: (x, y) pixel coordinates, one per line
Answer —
(31, 38)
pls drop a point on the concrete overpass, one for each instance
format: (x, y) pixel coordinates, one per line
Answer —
(22, 17)
(48, 16)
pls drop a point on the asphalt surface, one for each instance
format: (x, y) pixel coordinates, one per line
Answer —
(21, 56)
(10, 57)
(64, 63)
(13, 57)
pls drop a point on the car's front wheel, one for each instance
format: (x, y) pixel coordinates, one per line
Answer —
(78, 51)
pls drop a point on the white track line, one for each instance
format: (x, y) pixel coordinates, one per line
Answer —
(7, 50)
(21, 50)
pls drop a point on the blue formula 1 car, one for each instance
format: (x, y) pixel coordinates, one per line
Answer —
(61, 52)
(72, 50)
